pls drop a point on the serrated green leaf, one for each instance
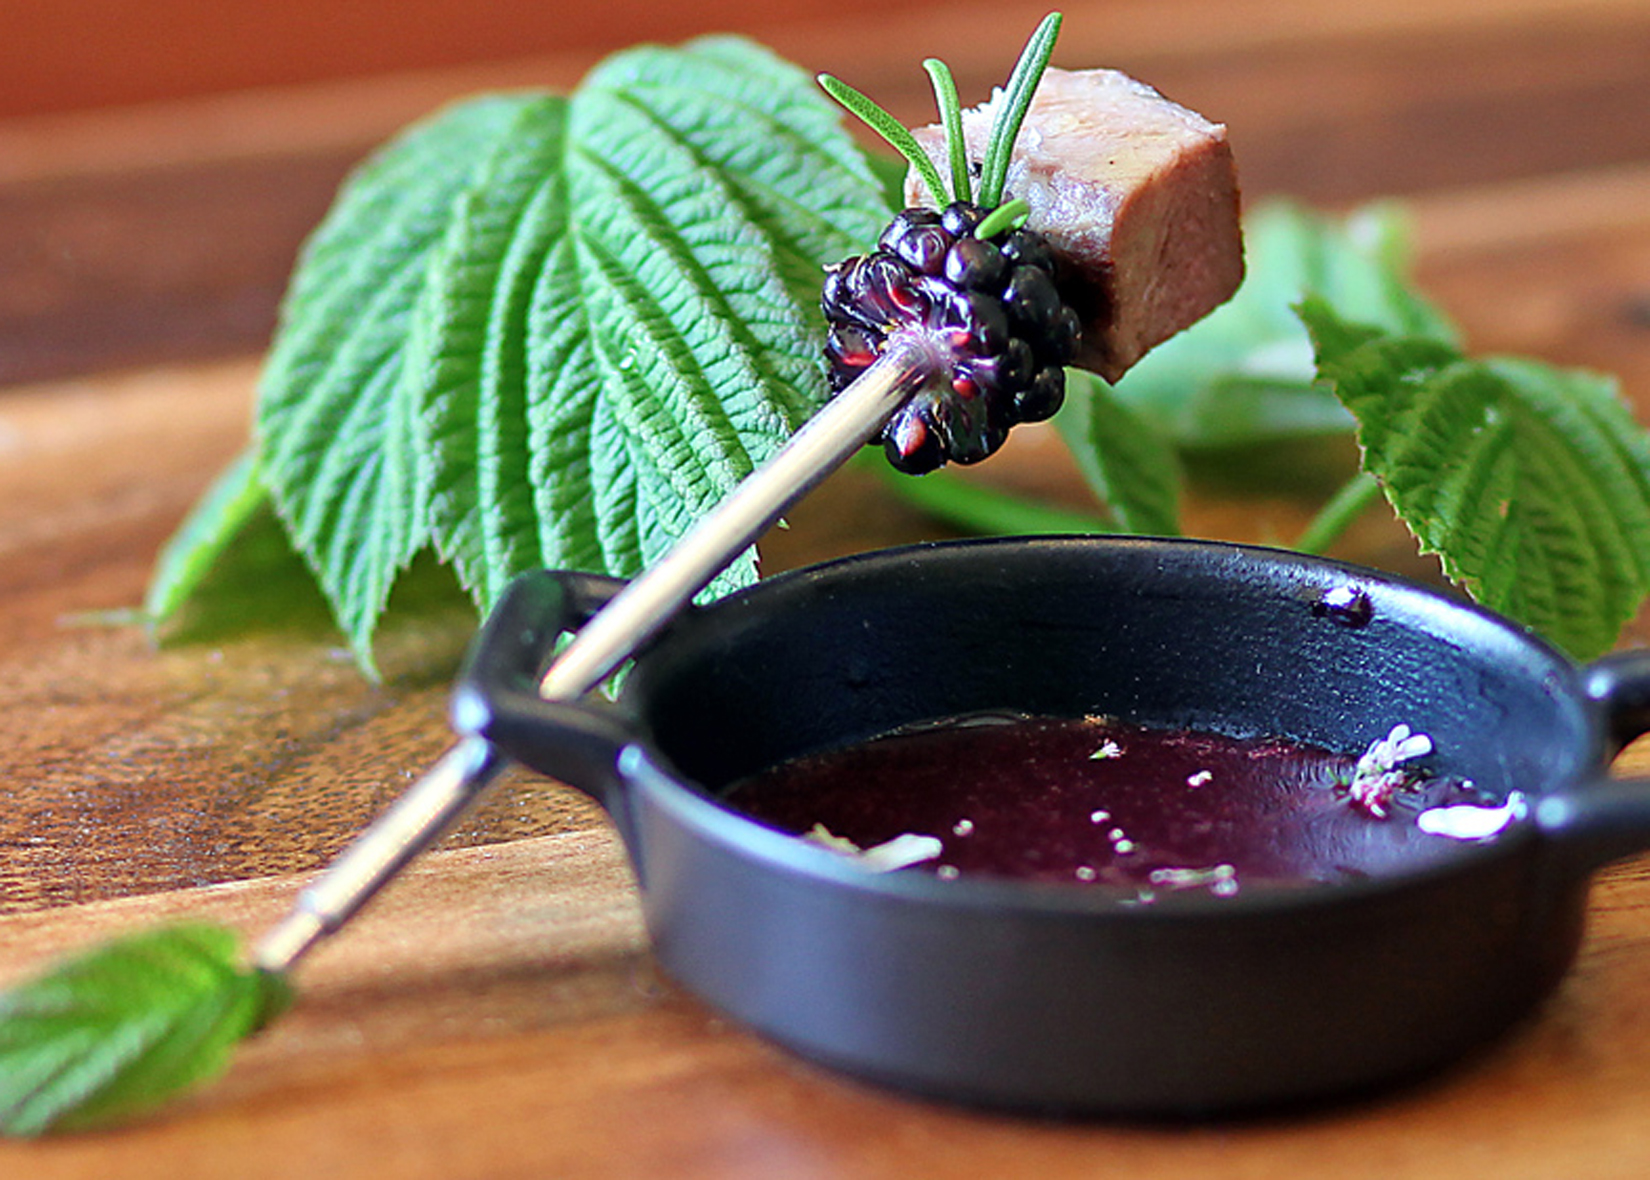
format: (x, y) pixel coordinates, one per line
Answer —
(757, 122)
(538, 330)
(468, 351)
(1532, 484)
(337, 412)
(119, 1030)
(231, 567)
(1245, 375)
(707, 186)
(1125, 459)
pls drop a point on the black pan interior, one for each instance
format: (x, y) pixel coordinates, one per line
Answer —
(1209, 636)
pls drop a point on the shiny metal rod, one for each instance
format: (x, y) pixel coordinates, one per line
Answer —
(637, 613)
(419, 817)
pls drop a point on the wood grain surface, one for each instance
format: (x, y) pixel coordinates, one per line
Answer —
(497, 1014)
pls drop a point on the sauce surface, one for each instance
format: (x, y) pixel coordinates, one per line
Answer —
(1095, 801)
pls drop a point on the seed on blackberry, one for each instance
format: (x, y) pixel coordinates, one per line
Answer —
(916, 238)
(975, 265)
(1045, 394)
(1030, 298)
(1028, 248)
(959, 218)
(992, 312)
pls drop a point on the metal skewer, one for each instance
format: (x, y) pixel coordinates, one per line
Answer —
(420, 816)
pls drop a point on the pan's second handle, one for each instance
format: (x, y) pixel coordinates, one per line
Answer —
(1592, 824)
(1620, 685)
(497, 694)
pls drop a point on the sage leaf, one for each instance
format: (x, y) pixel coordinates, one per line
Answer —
(119, 1030)
(1245, 375)
(1530, 483)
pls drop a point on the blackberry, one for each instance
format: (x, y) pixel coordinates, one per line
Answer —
(988, 306)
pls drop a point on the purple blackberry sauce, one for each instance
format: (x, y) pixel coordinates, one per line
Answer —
(1150, 810)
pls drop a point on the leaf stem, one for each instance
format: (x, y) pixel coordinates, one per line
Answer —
(945, 98)
(1008, 215)
(1335, 517)
(987, 511)
(1012, 108)
(890, 128)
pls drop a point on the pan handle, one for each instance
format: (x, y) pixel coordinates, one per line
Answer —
(497, 698)
(1605, 820)
(1620, 685)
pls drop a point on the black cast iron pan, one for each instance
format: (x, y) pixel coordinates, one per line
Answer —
(1067, 998)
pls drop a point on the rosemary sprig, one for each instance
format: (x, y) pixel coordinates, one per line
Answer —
(1005, 126)
(885, 125)
(1011, 110)
(945, 98)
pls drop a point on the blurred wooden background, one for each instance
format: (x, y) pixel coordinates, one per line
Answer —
(165, 228)
(80, 54)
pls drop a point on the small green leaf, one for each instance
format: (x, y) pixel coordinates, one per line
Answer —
(1245, 375)
(1126, 460)
(211, 527)
(1008, 215)
(891, 129)
(121, 1029)
(1532, 484)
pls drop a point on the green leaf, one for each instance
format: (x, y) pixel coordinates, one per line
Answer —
(982, 510)
(468, 357)
(1531, 483)
(220, 516)
(1245, 374)
(231, 568)
(950, 109)
(1125, 459)
(545, 330)
(707, 187)
(337, 427)
(893, 132)
(119, 1030)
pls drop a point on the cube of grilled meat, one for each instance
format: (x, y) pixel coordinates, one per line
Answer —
(1137, 195)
